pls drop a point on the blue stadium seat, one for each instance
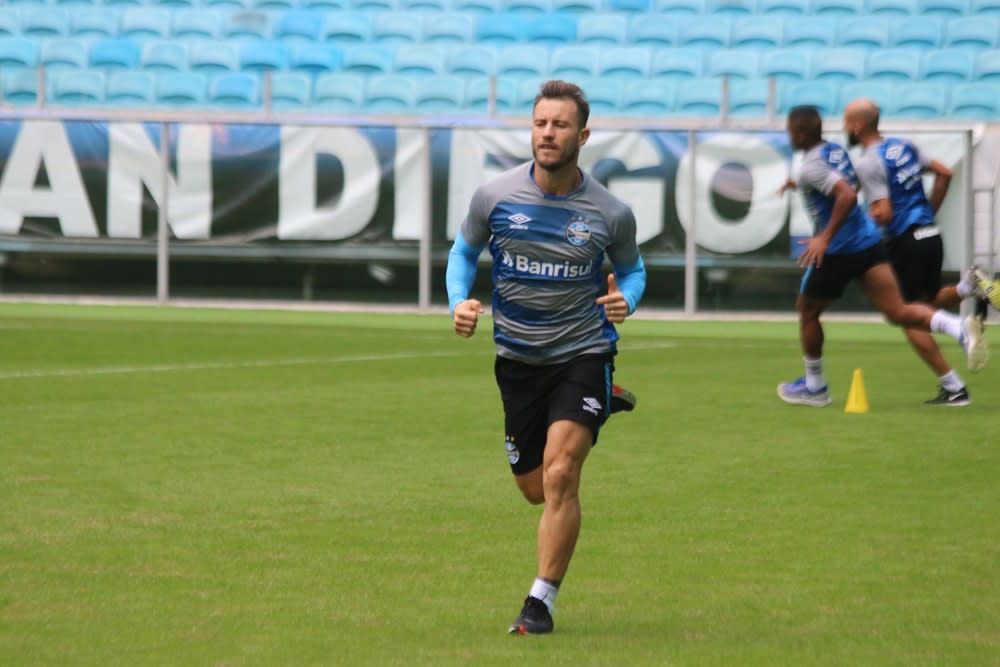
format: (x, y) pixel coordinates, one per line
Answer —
(740, 8)
(93, 22)
(792, 63)
(838, 64)
(974, 101)
(820, 94)
(274, 4)
(19, 85)
(235, 90)
(985, 7)
(604, 94)
(628, 6)
(370, 6)
(196, 24)
(114, 54)
(748, 99)
(477, 6)
(18, 52)
(523, 60)
(443, 94)
(10, 22)
(368, 59)
(649, 99)
(679, 7)
(837, 7)
(759, 32)
(577, 6)
(602, 29)
(925, 100)
(263, 56)
(987, 66)
(677, 63)
(920, 32)
(124, 3)
(450, 28)
(949, 65)
(705, 31)
(290, 91)
(624, 61)
(976, 32)
(227, 4)
(867, 33)
(894, 65)
(347, 28)
(314, 59)
(945, 8)
(429, 6)
(173, 4)
(44, 22)
(552, 30)
(477, 94)
(699, 98)
(299, 25)
(342, 92)
(181, 89)
(527, 89)
(129, 88)
(567, 62)
(653, 30)
(394, 28)
(165, 56)
(76, 88)
(145, 22)
(734, 63)
(247, 24)
(501, 29)
(893, 8)
(879, 92)
(783, 7)
(419, 59)
(815, 31)
(474, 60)
(526, 6)
(63, 53)
(213, 57)
(390, 93)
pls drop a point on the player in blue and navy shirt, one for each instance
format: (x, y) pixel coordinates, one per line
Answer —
(846, 246)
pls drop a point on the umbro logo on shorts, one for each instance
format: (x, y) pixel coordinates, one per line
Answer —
(592, 405)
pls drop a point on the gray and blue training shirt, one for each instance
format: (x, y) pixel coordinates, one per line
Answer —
(547, 255)
(892, 170)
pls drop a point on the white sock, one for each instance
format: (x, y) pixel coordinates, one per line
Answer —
(544, 591)
(951, 381)
(945, 322)
(814, 374)
(964, 290)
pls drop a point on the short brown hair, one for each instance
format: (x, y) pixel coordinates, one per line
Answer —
(556, 89)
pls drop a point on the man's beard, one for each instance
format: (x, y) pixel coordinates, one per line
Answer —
(852, 139)
(564, 160)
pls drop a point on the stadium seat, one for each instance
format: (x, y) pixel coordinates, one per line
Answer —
(173, 4)
(733, 63)
(526, 6)
(273, 4)
(44, 22)
(367, 59)
(894, 65)
(577, 6)
(740, 8)
(429, 6)
(348, 28)
(981, 7)
(976, 32)
(123, 3)
(213, 57)
(705, 31)
(945, 8)
(477, 94)
(114, 54)
(63, 53)
(602, 29)
(19, 85)
(10, 22)
(263, 56)
(166, 55)
(748, 99)
(419, 59)
(759, 32)
(314, 58)
(974, 101)
(145, 22)
(814, 31)
(18, 52)
(790, 64)
(501, 29)
(880, 92)
(325, 5)
(390, 93)
(196, 24)
(819, 94)
(290, 91)
(653, 30)
(925, 101)
(247, 24)
(837, 8)
(624, 62)
(679, 7)
(523, 60)
(893, 8)
(919, 32)
(987, 66)
(75, 88)
(93, 22)
(372, 6)
(392, 28)
(699, 98)
(838, 64)
(604, 94)
(476, 60)
(782, 7)
(949, 65)
(450, 28)
(628, 6)
(235, 90)
(339, 91)
(181, 89)
(574, 61)
(527, 89)
(552, 30)
(867, 33)
(477, 6)
(299, 25)
(649, 99)
(130, 88)
(677, 63)
(440, 94)
(227, 4)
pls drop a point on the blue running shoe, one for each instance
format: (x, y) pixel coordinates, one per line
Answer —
(797, 392)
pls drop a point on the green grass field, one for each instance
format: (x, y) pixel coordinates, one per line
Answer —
(206, 487)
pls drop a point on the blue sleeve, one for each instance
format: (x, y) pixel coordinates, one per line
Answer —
(461, 271)
(632, 283)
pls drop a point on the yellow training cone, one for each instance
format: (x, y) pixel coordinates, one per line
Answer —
(857, 399)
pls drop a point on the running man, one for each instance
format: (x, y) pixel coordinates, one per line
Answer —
(549, 225)
(846, 246)
(890, 174)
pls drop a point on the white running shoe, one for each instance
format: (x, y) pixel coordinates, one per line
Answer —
(798, 393)
(973, 339)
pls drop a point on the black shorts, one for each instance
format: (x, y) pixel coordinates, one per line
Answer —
(536, 396)
(828, 281)
(917, 255)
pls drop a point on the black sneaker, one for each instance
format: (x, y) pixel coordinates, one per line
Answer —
(622, 400)
(534, 619)
(954, 399)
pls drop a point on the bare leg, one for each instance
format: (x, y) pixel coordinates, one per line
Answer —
(926, 347)
(566, 449)
(880, 286)
(810, 328)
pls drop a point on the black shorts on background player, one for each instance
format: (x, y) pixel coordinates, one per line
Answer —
(917, 256)
(829, 280)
